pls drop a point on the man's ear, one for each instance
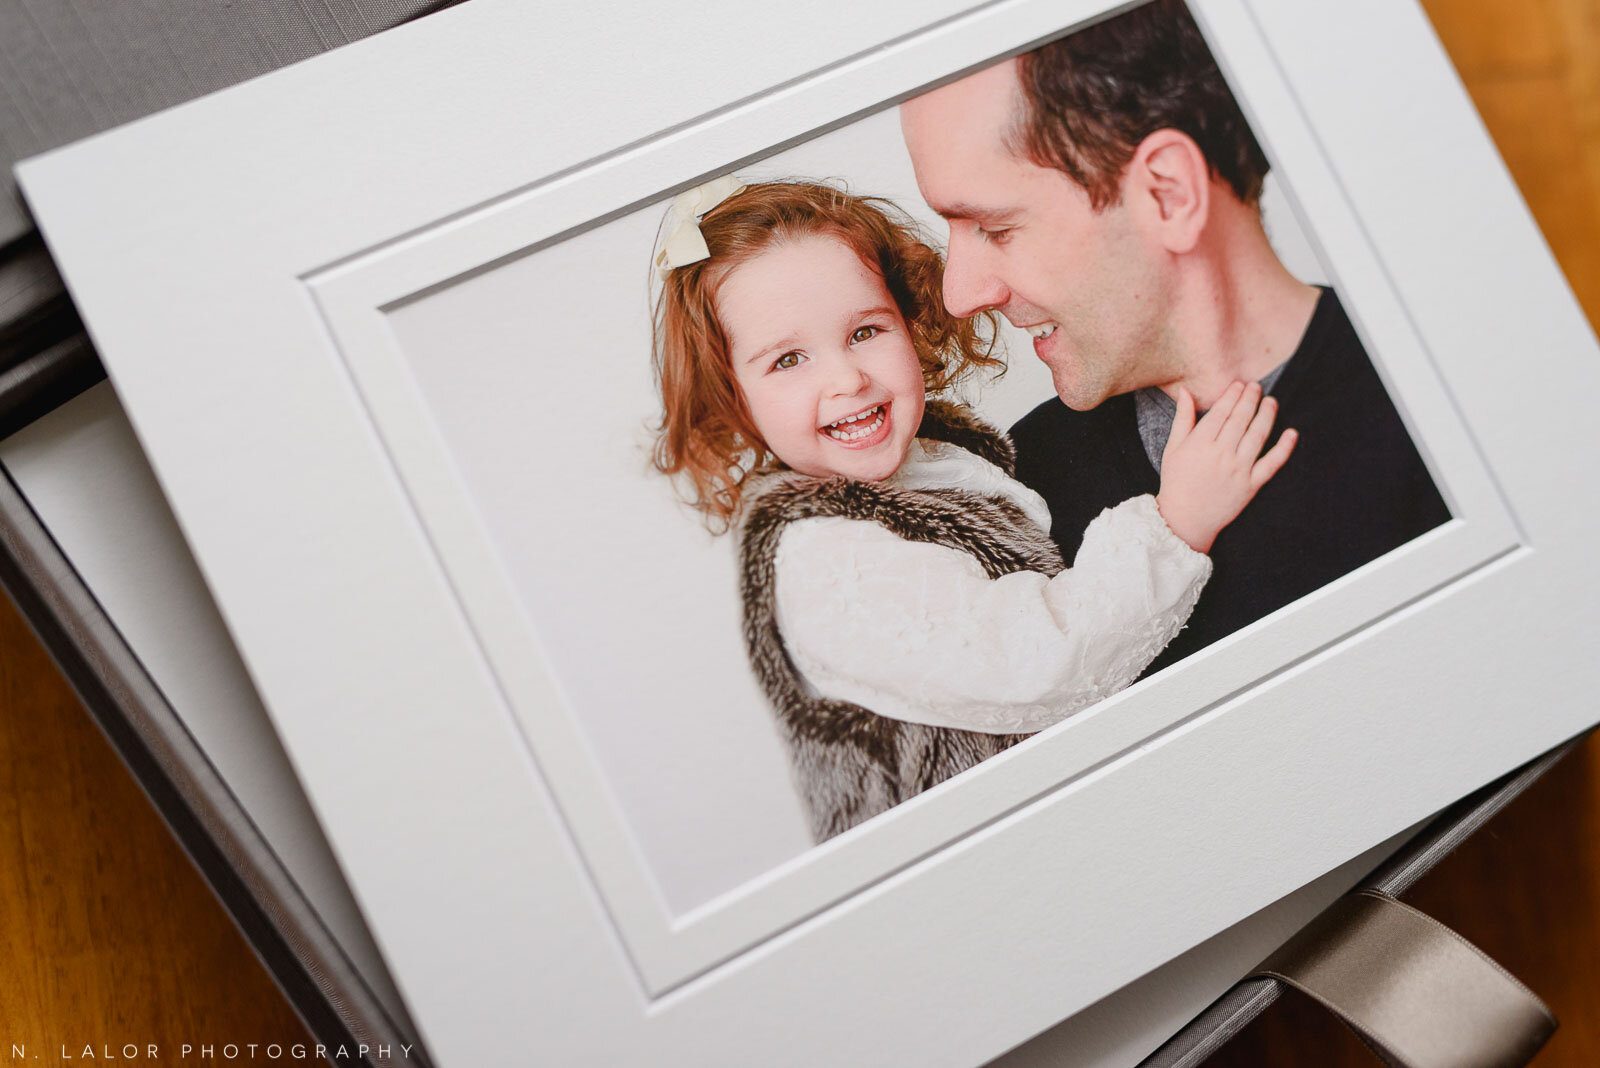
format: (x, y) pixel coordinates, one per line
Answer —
(1169, 185)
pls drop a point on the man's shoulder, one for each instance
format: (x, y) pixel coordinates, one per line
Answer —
(1331, 367)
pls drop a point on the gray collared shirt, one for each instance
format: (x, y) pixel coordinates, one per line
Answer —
(1156, 411)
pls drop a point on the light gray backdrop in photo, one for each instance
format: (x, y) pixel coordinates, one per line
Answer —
(538, 375)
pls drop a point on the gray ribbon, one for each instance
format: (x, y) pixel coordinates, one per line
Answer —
(1415, 991)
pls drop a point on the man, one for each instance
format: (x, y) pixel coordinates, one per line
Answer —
(1103, 192)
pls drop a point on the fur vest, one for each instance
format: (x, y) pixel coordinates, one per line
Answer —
(849, 763)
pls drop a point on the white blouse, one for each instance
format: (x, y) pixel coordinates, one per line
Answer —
(919, 632)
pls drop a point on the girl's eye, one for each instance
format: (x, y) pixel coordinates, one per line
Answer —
(787, 361)
(865, 333)
(995, 237)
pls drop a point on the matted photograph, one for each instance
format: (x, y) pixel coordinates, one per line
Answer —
(818, 499)
(842, 472)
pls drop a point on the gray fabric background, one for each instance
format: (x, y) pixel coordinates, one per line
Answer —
(70, 68)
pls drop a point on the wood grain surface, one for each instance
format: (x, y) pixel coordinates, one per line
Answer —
(108, 935)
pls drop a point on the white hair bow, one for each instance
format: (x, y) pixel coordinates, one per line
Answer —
(682, 243)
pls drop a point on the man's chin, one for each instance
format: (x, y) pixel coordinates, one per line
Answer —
(1077, 395)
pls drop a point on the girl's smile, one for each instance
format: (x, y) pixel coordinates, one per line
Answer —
(823, 359)
(862, 429)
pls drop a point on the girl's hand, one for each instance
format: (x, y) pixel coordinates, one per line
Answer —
(1210, 470)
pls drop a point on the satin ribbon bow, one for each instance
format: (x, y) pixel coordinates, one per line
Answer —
(682, 243)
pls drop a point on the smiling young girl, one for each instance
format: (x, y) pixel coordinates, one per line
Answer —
(904, 607)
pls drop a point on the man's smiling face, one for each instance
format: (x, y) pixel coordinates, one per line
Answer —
(1026, 242)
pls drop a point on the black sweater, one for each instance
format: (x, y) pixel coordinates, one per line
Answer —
(1354, 488)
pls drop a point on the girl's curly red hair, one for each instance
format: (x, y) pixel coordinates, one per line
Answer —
(706, 436)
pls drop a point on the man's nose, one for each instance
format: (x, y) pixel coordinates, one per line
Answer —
(969, 285)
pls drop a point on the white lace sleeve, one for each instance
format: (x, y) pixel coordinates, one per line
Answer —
(918, 632)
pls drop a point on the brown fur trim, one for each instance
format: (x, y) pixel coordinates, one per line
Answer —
(954, 423)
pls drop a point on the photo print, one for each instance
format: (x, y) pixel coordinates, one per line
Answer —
(829, 478)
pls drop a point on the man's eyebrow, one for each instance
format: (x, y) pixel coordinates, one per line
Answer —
(961, 211)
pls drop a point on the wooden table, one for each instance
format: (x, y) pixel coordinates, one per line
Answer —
(108, 935)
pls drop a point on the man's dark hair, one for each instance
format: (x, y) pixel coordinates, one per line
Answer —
(1091, 98)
